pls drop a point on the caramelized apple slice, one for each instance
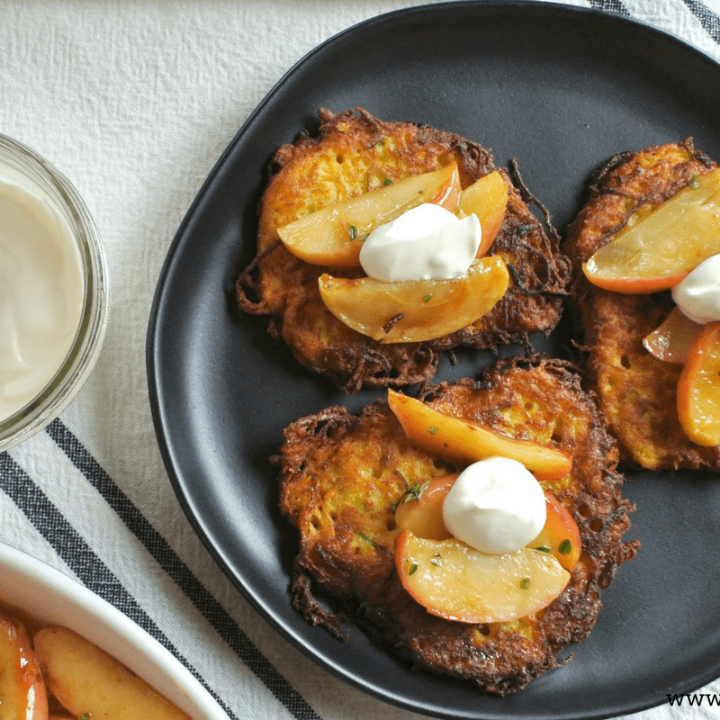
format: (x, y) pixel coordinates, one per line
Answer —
(22, 690)
(454, 581)
(560, 536)
(420, 511)
(465, 441)
(415, 310)
(90, 683)
(659, 250)
(671, 341)
(487, 198)
(333, 235)
(698, 393)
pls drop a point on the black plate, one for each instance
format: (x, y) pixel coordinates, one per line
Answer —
(560, 88)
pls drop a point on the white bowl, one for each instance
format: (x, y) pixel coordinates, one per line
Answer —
(52, 598)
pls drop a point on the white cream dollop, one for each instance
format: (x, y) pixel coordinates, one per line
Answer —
(698, 295)
(425, 243)
(496, 506)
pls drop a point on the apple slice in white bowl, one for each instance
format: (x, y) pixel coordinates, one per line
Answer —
(51, 598)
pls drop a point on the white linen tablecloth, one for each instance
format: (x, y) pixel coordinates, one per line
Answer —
(134, 101)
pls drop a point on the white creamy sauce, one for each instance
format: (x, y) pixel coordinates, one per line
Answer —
(41, 294)
(496, 506)
(425, 243)
(698, 295)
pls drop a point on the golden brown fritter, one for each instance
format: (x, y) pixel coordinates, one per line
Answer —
(637, 392)
(354, 153)
(342, 476)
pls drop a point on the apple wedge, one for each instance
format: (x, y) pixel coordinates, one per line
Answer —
(454, 581)
(420, 511)
(415, 310)
(671, 341)
(332, 236)
(560, 537)
(660, 249)
(698, 393)
(465, 441)
(487, 198)
(22, 690)
(88, 682)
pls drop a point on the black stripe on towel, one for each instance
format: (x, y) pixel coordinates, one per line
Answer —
(708, 19)
(168, 559)
(611, 5)
(78, 555)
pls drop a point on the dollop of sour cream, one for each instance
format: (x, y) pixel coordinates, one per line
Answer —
(698, 295)
(496, 506)
(425, 243)
(41, 293)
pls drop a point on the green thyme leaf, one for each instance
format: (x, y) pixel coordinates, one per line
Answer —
(413, 569)
(368, 540)
(388, 181)
(525, 583)
(543, 548)
(565, 547)
(420, 488)
(433, 430)
(415, 491)
(352, 232)
(436, 561)
(695, 182)
(427, 297)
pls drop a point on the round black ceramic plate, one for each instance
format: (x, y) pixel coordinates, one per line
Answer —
(561, 89)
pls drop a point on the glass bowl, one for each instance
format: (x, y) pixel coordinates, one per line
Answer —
(21, 166)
